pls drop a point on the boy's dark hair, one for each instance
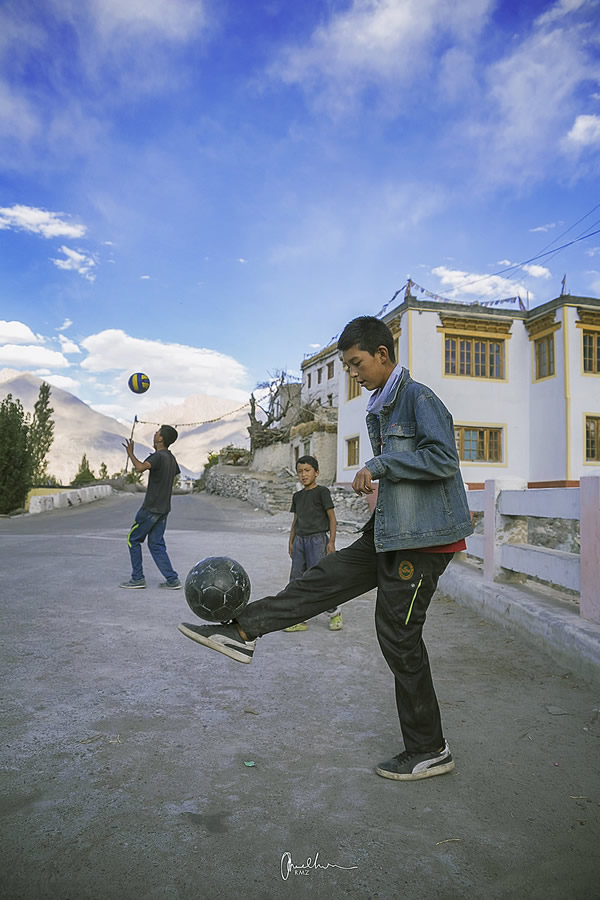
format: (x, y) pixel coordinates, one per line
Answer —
(168, 434)
(308, 460)
(367, 333)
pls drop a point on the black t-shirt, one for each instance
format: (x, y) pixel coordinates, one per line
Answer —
(163, 469)
(311, 510)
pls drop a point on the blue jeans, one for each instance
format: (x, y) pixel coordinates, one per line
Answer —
(307, 550)
(152, 526)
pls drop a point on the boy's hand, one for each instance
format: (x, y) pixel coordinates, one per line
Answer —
(363, 482)
(128, 446)
(330, 547)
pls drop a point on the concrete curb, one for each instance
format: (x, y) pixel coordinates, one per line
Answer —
(539, 616)
(45, 502)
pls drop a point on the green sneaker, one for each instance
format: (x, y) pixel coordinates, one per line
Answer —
(335, 622)
(301, 626)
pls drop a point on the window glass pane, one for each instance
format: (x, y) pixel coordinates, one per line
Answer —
(480, 355)
(450, 356)
(470, 444)
(588, 350)
(495, 360)
(465, 357)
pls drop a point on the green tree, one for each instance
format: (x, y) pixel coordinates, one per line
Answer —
(41, 435)
(103, 471)
(15, 457)
(84, 473)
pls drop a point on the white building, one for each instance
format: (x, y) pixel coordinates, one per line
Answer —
(523, 387)
(321, 377)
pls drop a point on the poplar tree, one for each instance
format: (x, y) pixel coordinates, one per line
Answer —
(84, 473)
(15, 456)
(41, 435)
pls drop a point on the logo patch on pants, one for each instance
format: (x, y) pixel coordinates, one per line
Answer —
(406, 570)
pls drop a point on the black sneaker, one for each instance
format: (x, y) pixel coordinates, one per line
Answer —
(411, 765)
(223, 638)
(133, 583)
(174, 585)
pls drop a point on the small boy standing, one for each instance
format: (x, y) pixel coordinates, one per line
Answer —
(312, 535)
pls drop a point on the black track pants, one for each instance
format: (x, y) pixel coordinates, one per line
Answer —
(405, 581)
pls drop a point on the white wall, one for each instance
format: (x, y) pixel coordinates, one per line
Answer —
(584, 392)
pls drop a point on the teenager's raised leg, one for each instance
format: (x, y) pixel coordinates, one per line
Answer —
(335, 579)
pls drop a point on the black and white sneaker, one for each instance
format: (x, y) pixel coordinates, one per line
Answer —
(222, 638)
(410, 766)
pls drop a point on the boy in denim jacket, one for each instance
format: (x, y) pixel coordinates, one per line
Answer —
(421, 519)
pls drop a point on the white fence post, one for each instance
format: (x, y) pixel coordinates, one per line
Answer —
(499, 529)
(589, 523)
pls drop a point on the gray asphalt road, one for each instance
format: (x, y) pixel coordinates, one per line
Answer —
(125, 745)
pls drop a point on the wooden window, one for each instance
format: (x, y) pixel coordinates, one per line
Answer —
(329, 399)
(352, 451)
(474, 357)
(330, 370)
(353, 388)
(319, 375)
(478, 444)
(591, 352)
(544, 356)
(308, 380)
(592, 438)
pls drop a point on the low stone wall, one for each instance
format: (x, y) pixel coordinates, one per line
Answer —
(45, 502)
(268, 491)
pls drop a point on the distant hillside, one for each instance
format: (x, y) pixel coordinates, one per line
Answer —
(79, 429)
(195, 443)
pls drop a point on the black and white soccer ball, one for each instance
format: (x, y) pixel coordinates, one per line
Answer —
(217, 588)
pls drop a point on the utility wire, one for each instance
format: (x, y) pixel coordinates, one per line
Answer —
(527, 261)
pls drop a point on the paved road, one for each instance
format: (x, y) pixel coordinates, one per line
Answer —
(124, 745)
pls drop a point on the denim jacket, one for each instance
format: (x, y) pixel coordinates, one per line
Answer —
(421, 500)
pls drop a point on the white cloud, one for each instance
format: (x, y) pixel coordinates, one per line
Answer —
(144, 278)
(76, 261)
(7, 374)
(66, 324)
(559, 10)
(18, 119)
(537, 271)
(17, 333)
(377, 42)
(172, 368)
(592, 251)
(585, 132)
(175, 20)
(486, 287)
(31, 356)
(38, 221)
(242, 260)
(594, 283)
(63, 382)
(68, 346)
(544, 228)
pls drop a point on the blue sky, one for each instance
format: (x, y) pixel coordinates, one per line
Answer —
(207, 191)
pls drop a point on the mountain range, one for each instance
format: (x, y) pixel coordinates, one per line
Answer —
(79, 429)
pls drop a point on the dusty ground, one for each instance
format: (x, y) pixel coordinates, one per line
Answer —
(124, 744)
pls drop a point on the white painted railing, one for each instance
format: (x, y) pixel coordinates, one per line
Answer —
(503, 546)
